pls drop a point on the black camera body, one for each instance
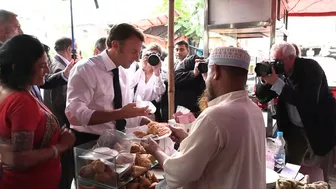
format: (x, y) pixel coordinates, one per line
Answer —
(154, 58)
(265, 68)
(203, 67)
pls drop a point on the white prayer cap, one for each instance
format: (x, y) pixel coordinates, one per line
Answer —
(230, 56)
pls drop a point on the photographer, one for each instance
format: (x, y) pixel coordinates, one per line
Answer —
(147, 82)
(306, 108)
(189, 86)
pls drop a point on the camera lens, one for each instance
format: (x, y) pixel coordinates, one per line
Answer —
(153, 59)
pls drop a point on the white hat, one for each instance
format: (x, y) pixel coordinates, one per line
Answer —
(230, 56)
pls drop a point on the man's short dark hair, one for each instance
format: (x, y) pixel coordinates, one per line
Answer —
(6, 16)
(18, 57)
(62, 44)
(182, 42)
(101, 44)
(121, 32)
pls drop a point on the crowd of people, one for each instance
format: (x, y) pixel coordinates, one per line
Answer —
(83, 98)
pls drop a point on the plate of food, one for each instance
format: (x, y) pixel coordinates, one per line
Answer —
(154, 130)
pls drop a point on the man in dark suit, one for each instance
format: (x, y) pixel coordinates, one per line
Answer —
(55, 98)
(306, 109)
(189, 86)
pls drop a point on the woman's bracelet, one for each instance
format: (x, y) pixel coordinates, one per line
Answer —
(55, 150)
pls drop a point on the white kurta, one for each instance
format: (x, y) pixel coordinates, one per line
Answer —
(225, 148)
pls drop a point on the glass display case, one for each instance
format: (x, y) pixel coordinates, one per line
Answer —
(111, 162)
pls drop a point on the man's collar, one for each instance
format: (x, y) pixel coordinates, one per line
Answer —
(109, 64)
(63, 58)
(227, 97)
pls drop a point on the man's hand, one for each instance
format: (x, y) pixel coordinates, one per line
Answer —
(270, 79)
(69, 67)
(130, 110)
(178, 134)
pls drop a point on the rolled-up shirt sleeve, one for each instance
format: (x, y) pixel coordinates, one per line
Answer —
(79, 94)
(196, 151)
(278, 86)
(159, 86)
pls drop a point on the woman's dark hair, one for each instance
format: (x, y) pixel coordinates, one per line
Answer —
(17, 61)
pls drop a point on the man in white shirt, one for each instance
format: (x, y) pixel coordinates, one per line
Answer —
(226, 145)
(99, 96)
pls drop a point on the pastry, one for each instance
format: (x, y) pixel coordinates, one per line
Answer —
(148, 156)
(132, 185)
(139, 134)
(137, 148)
(104, 178)
(86, 171)
(144, 182)
(143, 161)
(137, 170)
(98, 166)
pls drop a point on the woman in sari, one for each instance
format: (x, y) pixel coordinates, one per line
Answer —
(31, 141)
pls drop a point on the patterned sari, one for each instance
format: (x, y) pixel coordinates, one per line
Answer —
(28, 125)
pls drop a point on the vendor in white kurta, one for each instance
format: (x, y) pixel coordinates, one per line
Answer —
(147, 82)
(226, 145)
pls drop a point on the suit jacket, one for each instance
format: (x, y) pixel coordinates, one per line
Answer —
(188, 88)
(307, 89)
(54, 80)
(55, 98)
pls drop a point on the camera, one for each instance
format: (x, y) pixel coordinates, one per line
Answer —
(154, 58)
(203, 67)
(265, 68)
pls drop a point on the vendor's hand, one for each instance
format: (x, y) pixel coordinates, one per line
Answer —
(67, 140)
(178, 134)
(150, 146)
(270, 79)
(130, 110)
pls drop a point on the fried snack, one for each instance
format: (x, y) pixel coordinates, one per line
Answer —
(139, 134)
(143, 161)
(153, 178)
(137, 170)
(156, 128)
(98, 166)
(133, 185)
(144, 182)
(104, 177)
(137, 148)
(148, 156)
(86, 171)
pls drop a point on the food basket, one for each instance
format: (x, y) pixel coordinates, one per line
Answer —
(108, 162)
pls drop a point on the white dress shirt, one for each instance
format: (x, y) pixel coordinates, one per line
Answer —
(90, 88)
(225, 148)
(152, 90)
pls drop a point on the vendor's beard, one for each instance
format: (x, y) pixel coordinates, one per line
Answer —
(206, 96)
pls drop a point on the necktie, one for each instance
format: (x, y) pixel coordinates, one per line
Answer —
(117, 101)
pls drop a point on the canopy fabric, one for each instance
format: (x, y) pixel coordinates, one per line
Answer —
(311, 7)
